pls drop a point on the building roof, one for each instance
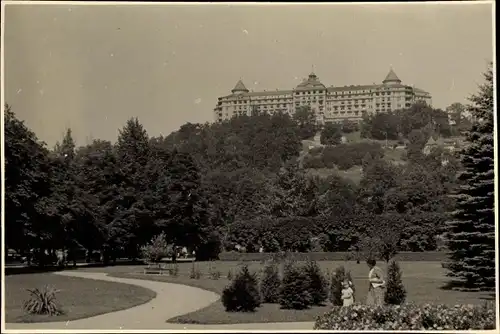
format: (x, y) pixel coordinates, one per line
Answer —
(391, 77)
(240, 87)
(418, 90)
(312, 82)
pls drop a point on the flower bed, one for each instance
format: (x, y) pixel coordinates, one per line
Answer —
(409, 317)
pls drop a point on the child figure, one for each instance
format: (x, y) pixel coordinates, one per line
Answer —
(347, 293)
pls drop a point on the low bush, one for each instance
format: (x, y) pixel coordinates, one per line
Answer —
(174, 271)
(43, 301)
(242, 295)
(317, 284)
(215, 274)
(195, 272)
(294, 292)
(408, 317)
(395, 293)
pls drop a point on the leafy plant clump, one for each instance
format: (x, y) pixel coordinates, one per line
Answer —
(294, 292)
(242, 295)
(409, 317)
(43, 301)
(270, 284)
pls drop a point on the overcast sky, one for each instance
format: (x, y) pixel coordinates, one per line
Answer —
(93, 67)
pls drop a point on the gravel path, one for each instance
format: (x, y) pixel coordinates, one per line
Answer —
(172, 300)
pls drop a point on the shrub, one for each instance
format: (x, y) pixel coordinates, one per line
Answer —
(42, 301)
(317, 284)
(156, 250)
(294, 292)
(408, 317)
(242, 295)
(336, 286)
(395, 293)
(195, 272)
(174, 271)
(215, 274)
(270, 284)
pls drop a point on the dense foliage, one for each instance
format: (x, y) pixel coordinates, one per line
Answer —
(408, 317)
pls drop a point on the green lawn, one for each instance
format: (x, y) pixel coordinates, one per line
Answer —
(79, 298)
(423, 282)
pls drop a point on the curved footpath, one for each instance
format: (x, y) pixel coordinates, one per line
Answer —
(171, 300)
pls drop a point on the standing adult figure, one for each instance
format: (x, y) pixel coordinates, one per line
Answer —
(377, 284)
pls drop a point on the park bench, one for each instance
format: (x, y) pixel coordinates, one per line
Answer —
(154, 268)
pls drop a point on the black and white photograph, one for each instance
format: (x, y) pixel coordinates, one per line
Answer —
(225, 166)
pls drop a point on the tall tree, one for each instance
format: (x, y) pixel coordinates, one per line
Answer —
(27, 187)
(471, 229)
(132, 217)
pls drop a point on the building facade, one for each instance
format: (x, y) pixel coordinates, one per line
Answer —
(330, 104)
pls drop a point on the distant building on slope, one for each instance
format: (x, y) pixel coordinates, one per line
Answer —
(332, 104)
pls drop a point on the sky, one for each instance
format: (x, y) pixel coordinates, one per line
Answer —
(92, 67)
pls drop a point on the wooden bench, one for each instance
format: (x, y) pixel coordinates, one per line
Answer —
(155, 269)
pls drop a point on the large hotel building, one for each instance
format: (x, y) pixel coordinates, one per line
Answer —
(331, 104)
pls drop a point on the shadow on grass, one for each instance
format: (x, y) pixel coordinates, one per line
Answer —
(48, 269)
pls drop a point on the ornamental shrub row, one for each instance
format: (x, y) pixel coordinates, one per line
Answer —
(409, 317)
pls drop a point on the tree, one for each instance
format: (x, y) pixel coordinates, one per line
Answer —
(270, 284)
(395, 293)
(418, 139)
(27, 187)
(243, 294)
(186, 219)
(471, 230)
(132, 219)
(294, 292)
(305, 119)
(331, 134)
(317, 283)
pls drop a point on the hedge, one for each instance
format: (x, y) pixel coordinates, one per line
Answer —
(409, 317)
(331, 256)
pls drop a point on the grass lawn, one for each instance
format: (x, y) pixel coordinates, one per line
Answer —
(423, 282)
(79, 297)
